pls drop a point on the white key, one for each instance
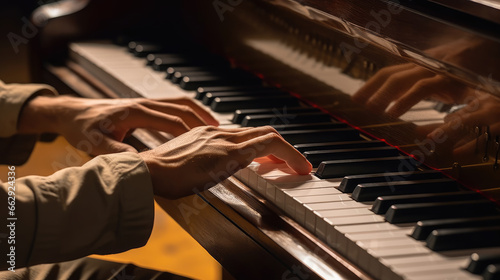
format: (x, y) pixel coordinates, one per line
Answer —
(443, 275)
(299, 203)
(416, 266)
(417, 115)
(346, 243)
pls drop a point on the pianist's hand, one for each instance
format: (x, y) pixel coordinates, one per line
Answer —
(459, 127)
(395, 89)
(207, 155)
(104, 123)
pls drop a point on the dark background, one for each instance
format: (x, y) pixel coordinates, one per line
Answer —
(14, 67)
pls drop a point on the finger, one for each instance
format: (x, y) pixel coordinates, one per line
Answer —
(419, 91)
(250, 133)
(471, 116)
(373, 84)
(143, 117)
(189, 116)
(204, 114)
(273, 144)
(477, 101)
(451, 129)
(395, 86)
(275, 159)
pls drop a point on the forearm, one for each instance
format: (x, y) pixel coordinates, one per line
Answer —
(105, 206)
(42, 114)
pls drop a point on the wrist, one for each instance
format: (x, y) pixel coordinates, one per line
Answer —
(151, 164)
(40, 115)
(159, 170)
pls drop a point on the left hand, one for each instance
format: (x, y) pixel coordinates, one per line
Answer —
(98, 126)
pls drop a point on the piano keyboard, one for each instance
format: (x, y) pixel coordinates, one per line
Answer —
(392, 224)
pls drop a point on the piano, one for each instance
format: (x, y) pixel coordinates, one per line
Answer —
(394, 102)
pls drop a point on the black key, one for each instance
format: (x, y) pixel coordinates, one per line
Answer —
(239, 114)
(192, 83)
(383, 203)
(370, 191)
(424, 228)
(230, 104)
(316, 157)
(479, 262)
(442, 107)
(407, 213)
(349, 183)
(341, 168)
(320, 135)
(142, 49)
(200, 66)
(210, 96)
(271, 119)
(337, 145)
(305, 126)
(213, 69)
(223, 74)
(132, 44)
(150, 58)
(464, 238)
(179, 75)
(174, 69)
(492, 272)
(201, 91)
(161, 63)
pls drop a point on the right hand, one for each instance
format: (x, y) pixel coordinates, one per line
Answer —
(204, 156)
(395, 89)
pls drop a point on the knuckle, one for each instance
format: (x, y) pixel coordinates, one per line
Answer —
(185, 99)
(186, 109)
(385, 71)
(177, 121)
(396, 78)
(134, 107)
(272, 137)
(269, 129)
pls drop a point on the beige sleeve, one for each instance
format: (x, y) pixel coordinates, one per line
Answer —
(16, 149)
(12, 99)
(105, 206)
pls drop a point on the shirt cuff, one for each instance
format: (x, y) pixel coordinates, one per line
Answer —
(12, 99)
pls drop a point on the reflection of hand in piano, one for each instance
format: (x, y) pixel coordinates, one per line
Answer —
(207, 155)
(406, 85)
(395, 89)
(481, 115)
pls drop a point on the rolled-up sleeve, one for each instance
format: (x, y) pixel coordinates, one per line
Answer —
(106, 206)
(12, 99)
(15, 149)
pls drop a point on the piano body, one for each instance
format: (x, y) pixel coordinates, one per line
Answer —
(399, 191)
